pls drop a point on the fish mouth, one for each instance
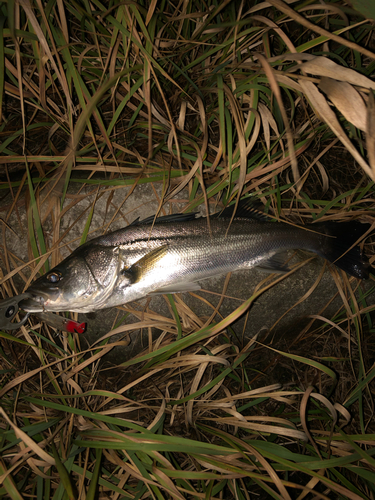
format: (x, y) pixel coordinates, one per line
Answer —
(34, 303)
(38, 301)
(39, 298)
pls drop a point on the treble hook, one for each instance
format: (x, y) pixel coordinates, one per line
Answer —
(9, 308)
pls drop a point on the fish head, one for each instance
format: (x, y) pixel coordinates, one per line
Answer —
(79, 283)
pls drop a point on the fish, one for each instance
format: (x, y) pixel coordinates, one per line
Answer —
(174, 253)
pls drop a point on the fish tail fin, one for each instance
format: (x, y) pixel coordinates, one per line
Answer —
(335, 246)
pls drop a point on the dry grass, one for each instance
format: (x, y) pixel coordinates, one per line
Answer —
(203, 107)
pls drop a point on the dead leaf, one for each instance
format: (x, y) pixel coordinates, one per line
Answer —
(322, 108)
(347, 100)
(321, 66)
(268, 121)
(370, 131)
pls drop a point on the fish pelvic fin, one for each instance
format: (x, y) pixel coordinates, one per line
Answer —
(275, 264)
(145, 264)
(336, 246)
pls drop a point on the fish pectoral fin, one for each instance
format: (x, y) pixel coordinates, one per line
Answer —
(275, 264)
(135, 272)
(177, 288)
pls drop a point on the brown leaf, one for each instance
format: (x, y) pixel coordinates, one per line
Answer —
(370, 131)
(347, 100)
(322, 108)
(322, 66)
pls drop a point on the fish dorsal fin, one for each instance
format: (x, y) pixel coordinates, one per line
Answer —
(164, 219)
(135, 222)
(248, 208)
(146, 263)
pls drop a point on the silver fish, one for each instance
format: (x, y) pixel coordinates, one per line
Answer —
(172, 254)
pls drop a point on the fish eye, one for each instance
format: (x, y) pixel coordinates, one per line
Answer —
(54, 277)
